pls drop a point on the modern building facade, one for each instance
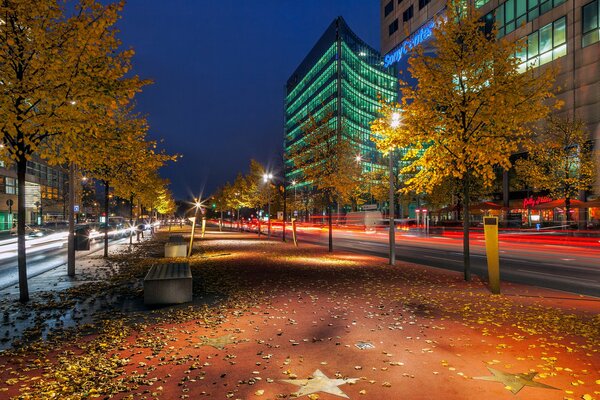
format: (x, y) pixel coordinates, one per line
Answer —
(45, 199)
(562, 33)
(344, 75)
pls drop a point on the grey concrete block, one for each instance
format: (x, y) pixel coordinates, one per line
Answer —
(176, 250)
(168, 284)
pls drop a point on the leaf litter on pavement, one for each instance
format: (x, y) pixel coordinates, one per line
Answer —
(278, 313)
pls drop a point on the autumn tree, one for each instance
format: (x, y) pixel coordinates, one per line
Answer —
(327, 160)
(125, 158)
(53, 55)
(560, 160)
(469, 111)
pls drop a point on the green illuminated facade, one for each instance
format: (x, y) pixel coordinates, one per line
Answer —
(345, 75)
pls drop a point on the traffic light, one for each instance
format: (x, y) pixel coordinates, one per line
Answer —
(214, 205)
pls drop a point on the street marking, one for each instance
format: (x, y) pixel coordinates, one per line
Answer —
(568, 259)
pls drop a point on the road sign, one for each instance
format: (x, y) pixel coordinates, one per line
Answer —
(9, 202)
(76, 208)
(369, 207)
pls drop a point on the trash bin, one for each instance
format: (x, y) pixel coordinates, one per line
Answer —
(82, 239)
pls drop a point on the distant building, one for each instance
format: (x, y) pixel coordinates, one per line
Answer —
(45, 199)
(343, 74)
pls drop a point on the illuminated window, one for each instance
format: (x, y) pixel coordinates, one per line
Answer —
(407, 14)
(481, 3)
(545, 45)
(590, 23)
(10, 185)
(513, 13)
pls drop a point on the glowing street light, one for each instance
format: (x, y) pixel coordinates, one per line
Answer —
(267, 177)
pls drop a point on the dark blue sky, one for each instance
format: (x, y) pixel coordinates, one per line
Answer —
(219, 69)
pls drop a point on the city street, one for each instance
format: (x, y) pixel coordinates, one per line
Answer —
(43, 254)
(269, 320)
(559, 266)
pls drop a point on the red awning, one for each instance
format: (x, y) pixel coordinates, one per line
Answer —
(560, 203)
(486, 205)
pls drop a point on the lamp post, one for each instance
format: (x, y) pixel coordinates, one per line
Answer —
(394, 123)
(197, 205)
(267, 179)
(294, 183)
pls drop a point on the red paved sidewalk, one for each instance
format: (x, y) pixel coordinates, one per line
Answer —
(287, 314)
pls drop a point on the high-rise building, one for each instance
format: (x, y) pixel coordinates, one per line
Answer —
(562, 33)
(344, 75)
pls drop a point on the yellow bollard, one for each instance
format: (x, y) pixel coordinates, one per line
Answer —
(193, 219)
(490, 227)
(294, 232)
(203, 227)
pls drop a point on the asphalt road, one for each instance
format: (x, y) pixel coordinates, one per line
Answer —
(42, 255)
(568, 268)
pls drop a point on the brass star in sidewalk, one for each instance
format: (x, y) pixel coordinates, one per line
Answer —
(514, 382)
(219, 342)
(320, 383)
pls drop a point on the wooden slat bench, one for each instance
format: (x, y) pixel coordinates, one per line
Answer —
(168, 284)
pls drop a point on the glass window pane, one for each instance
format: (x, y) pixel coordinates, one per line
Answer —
(533, 14)
(589, 38)
(560, 32)
(590, 16)
(500, 16)
(532, 4)
(559, 51)
(532, 45)
(546, 38)
(521, 8)
(545, 58)
(510, 10)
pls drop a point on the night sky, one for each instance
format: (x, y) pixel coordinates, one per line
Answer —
(219, 69)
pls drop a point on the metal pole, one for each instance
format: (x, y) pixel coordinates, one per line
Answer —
(71, 237)
(269, 220)
(284, 209)
(392, 224)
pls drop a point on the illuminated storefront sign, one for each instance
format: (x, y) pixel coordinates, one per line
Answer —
(534, 201)
(416, 39)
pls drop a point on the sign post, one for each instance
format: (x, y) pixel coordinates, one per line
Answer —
(203, 227)
(490, 226)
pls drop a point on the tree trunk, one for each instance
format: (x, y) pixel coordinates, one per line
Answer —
(330, 227)
(131, 219)
(466, 255)
(568, 209)
(284, 210)
(22, 257)
(71, 237)
(106, 187)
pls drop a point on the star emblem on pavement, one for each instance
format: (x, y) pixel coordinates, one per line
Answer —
(514, 382)
(219, 342)
(319, 382)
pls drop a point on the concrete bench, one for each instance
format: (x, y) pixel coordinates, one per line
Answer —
(168, 284)
(176, 239)
(176, 249)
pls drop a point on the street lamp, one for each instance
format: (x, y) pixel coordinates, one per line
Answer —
(294, 183)
(394, 123)
(267, 179)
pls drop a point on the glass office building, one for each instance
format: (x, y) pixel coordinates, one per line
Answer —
(344, 75)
